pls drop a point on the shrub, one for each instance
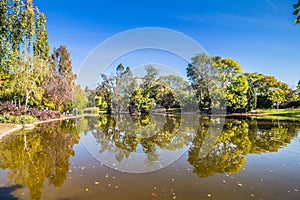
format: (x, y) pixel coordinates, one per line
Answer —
(9, 109)
(23, 119)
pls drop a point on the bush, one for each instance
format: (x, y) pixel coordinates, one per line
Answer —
(23, 119)
(10, 109)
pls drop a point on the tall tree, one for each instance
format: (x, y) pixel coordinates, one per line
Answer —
(41, 46)
(27, 79)
(105, 90)
(200, 74)
(60, 82)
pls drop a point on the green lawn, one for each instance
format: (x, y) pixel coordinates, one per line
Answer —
(282, 114)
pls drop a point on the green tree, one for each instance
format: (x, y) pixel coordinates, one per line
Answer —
(105, 90)
(41, 46)
(141, 102)
(80, 99)
(27, 79)
(236, 94)
(200, 73)
(296, 12)
(228, 68)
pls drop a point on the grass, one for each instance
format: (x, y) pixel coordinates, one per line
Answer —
(278, 114)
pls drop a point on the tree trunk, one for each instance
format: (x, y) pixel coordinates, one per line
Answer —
(26, 99)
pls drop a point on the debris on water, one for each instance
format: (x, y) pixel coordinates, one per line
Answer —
(153, 194)
(106, 175)
(70, 170)
(86, 189)
(240, 185)
(96, 183)
(251, 195)
(296, 190)
(82, 168)
(209, 195)
(173, 179)
(116, 186)
(154, 188)
(113, 177)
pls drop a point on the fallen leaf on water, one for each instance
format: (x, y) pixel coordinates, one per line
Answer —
(86, 189)
(209, 195)
(153, 194)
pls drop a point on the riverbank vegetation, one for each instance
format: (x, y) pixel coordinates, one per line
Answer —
(35, 82)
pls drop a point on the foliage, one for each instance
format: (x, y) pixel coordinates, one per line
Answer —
(79, 98)
(236, 94)
(60, 80)
(27, 78)
(7, 108)
(296, 12)
(23, 119)
(199, 74)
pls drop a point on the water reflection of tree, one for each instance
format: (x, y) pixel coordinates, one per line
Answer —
(32, 156)
(238, 138)
(123, 134)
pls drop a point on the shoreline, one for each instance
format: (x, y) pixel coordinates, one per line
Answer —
(32, 125)
(247, 114)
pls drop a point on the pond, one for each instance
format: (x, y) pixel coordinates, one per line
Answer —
(153, 157)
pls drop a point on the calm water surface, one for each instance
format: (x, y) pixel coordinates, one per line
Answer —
(157, 157)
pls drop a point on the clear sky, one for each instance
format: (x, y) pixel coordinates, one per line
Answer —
(259, 34)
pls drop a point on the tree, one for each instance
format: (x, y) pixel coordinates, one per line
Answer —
(27, 79)
(228, 68)
(200, 73)
(236, 94)
(125, 85)
(60, 82)
(41, 46)
(20, 28)
(80, 99)
(141, 102)
(252, 99)
(298, 89)
(106, 90)
(296, 12)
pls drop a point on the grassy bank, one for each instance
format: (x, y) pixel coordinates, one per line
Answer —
(281, 114)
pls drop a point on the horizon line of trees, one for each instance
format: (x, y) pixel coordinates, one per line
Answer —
(213, 83)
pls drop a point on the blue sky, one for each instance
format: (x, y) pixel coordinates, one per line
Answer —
(259, 34)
